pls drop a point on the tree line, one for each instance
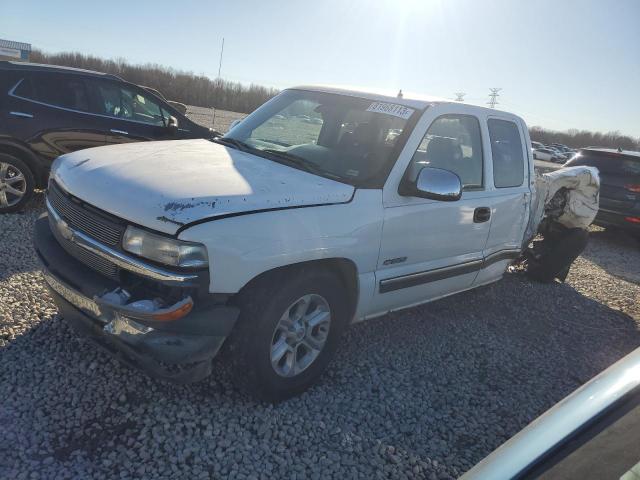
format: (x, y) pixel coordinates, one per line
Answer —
(202, 91)
(176, 85)
(583, 138)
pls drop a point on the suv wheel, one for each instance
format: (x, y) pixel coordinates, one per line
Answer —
(289, 328)
(16, 183)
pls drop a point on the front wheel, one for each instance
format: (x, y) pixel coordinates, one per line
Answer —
(289, 328)
(16, 183)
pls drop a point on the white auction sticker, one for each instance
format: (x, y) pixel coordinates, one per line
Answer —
(391, 109)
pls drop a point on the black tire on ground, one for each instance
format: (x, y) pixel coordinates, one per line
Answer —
(262, 305)
(555, 263)
(15, 165)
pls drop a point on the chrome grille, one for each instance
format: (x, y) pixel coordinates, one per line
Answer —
(83, 218)
(90, 259)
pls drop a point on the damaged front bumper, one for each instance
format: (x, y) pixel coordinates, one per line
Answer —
(175, 342)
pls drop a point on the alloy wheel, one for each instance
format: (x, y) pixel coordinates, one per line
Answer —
(300, 335)
(13, 185)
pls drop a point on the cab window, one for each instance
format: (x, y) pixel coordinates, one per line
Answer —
(454, 143)
(506, 151)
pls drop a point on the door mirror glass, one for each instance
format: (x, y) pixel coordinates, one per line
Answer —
(172, 123)
(438, 184)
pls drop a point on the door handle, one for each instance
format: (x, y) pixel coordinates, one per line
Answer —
(21, 114)
(121, 132)
(481, 214)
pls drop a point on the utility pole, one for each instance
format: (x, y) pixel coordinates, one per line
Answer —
(493, 97)
(213, 121)
(460, 96)
(221, 52)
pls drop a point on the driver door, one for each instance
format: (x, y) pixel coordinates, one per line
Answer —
(431, 248)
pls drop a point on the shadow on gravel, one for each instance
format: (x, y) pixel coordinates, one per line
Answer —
(16, 239)
(615, 251)
(423, 392)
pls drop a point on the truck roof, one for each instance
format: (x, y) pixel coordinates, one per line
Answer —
(409, 99)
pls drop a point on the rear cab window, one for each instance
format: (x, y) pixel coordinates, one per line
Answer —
(507, 153)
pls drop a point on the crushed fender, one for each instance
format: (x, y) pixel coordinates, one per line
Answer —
(565, 205)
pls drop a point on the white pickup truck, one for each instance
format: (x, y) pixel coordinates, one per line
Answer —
(322, 208)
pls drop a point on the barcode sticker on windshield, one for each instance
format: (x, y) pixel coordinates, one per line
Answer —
(391, 109)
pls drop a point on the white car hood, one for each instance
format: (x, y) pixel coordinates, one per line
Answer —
(165, 185)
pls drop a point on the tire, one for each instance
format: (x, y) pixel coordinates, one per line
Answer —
(557, 260)
(15, 175)
(259, 331)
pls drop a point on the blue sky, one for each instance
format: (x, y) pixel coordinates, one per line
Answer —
(561, 64)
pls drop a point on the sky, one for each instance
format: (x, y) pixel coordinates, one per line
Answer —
(561, 64)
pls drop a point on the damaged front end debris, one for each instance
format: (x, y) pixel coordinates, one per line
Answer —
(565, 205)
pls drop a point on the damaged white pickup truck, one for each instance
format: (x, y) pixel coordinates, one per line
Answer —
(322, 208)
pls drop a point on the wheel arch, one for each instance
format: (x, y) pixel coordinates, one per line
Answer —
(345, 269)
(27, 156)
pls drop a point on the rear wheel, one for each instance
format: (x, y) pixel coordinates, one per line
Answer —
(16, 183)
(289, 328)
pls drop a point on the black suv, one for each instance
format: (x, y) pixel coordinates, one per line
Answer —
(46, 111)
(619, 186)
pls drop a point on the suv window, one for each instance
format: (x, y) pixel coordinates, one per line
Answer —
(506, 151)
(57, 90)
(454, 143)
(607, 163)
(120, 101)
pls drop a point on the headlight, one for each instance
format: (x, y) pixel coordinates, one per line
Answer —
(168, 251)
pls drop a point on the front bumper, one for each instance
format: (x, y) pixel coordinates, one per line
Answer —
(178, 350)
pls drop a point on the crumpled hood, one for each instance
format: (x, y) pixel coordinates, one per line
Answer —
(165, 185)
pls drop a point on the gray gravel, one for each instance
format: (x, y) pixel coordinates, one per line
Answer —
(425, 393)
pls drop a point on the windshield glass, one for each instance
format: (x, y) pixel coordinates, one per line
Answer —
(346, 138)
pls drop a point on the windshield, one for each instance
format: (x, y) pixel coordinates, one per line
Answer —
(346, 138)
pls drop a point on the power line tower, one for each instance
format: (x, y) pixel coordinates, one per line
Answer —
(460, 96)
(493, 97)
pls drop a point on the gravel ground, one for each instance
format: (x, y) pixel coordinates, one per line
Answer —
(424, 393)
(220, 120)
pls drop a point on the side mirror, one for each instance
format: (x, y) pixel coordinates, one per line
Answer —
(438, 184)
(172, 124)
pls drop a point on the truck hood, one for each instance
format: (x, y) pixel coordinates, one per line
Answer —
(165, 185)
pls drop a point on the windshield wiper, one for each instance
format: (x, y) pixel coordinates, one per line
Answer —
(295, 161)
(232, 142)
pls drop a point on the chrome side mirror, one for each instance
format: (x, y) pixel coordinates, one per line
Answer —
(438, 184)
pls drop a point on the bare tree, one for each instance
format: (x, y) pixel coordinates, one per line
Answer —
(177, 85)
